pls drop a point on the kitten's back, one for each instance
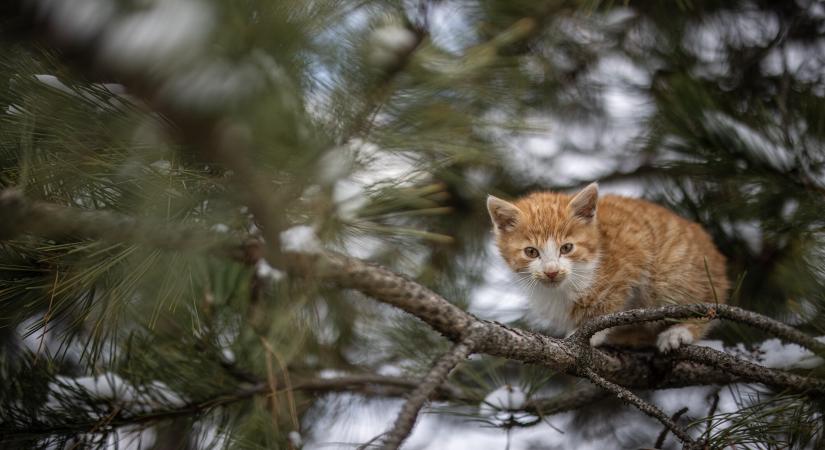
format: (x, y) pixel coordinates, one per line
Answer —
(666, 258)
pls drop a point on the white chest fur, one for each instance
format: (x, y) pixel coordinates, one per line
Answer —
(549, 306)
(548, 309)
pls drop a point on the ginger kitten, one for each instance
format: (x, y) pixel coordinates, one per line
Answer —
(584, 256)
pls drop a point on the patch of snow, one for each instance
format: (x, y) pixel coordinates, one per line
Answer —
(388, 43)
(266, 272)
(778, 355)
(14, 110)
(220, 228)
(163, 166)
(349, 197)
(295, 439)
(300, 239)
(228, 355)
(331, 373)
(53, 82)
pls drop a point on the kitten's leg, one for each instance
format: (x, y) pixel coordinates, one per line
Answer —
(597, 339)
(682, 334)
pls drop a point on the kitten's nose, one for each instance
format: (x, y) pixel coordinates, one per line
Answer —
(552, 275)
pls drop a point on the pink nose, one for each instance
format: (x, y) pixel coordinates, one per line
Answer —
(551, 275)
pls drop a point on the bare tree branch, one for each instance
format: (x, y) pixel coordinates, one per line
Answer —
(629, 397)
(700, 310)
(660, 441)
(748, 370)
(438, 374)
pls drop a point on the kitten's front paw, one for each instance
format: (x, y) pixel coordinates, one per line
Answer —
(598, 338)
(673, 338)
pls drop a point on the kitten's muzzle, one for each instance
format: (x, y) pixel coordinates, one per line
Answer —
(551, 275)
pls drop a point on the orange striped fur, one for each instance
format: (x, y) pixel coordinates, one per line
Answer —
(623, 253)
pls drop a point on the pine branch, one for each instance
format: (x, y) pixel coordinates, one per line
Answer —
(629, 397)
(699, 310)
(53, 221)
(748, 370)
(436, 376)
(364, 384)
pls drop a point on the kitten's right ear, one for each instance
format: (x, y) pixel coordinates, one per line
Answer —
(583, 204)
(503, 213)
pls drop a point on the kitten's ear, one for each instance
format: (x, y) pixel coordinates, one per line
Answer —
(504, 214)
(583, 204)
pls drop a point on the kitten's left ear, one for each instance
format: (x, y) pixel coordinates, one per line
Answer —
(583, 204)
(504, 214)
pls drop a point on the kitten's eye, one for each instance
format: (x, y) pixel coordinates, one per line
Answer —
(531, 252)
(566, 248)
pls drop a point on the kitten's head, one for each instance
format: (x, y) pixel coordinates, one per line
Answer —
(549, 237)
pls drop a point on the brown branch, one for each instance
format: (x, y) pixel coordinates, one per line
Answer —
(660, 441)
(626, 396)
(699, 310)
(748, 370)
(437, 376)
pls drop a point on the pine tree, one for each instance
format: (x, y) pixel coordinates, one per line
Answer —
(189, 190)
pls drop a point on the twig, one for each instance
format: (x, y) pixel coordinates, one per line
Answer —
(713, 405)
(643, 406)
(437, 375)
(748, 370)
(699, 310)
(660, 441)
